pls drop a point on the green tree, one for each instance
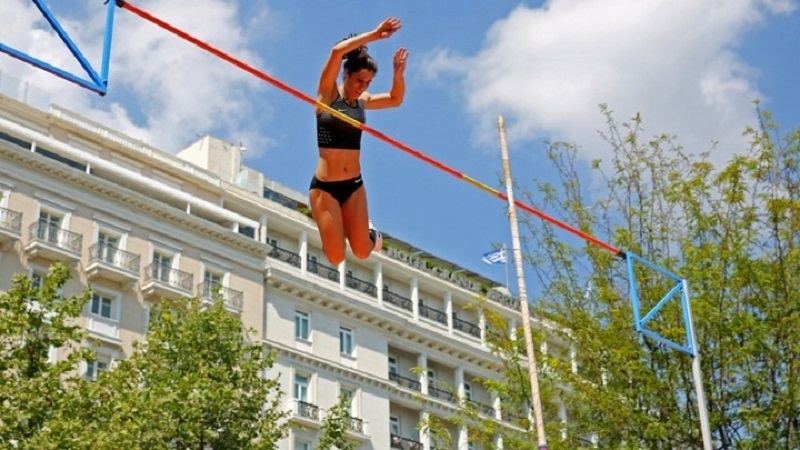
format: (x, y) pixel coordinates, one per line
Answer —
(335, 427)
(35, 317)
(196, 383)
(732, 231)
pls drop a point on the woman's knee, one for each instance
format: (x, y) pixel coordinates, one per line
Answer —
(362, 250)
(335, 254)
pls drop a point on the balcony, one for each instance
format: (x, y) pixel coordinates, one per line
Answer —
(10, 226)
(166, 282)
(409, 383)
(104, 329)
(404, 443)
(397, 300)
(284, 255)
(322, 270)
(113, 264)
(305, 413)
(233, 299)
(444, 394)
(433, 314)
(466, 327)
(356, 425)
(361, 286)
(53, 243)
(481, 408)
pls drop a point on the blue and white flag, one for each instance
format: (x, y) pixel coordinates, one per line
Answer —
(497, 256)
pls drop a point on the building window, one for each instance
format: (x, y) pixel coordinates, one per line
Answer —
(467, 391)
(345, 341)
(101, 306)
(211, 280)
(37, 279)
(347, 396)
(49, 224)
(394, 426)
(300, 391)
(247, 231)
(301, 445)
(94, 368)
(162, 264)
(302, 325)
(107, 247)
(393, 366)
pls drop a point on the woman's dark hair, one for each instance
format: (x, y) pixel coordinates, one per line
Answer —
(358, 59)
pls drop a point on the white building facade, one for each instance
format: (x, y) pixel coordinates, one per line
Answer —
(398, 335)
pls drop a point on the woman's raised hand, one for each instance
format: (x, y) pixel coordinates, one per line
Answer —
(388, 28)
(400, 57)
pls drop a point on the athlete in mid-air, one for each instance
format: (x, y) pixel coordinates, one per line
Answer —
(337, 194)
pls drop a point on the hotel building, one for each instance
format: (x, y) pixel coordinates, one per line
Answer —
(397, 333)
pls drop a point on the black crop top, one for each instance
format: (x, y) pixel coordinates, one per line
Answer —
(333, 132)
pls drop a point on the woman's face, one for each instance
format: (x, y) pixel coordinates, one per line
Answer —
(357, 82)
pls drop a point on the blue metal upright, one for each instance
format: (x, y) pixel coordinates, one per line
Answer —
(95, 82)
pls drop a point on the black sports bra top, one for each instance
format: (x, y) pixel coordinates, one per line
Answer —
(333, 132)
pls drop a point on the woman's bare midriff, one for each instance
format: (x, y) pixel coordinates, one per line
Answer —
(337, 164)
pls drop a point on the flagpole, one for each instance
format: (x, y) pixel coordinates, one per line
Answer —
(533, 372)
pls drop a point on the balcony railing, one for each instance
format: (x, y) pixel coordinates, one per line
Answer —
(433, 314)
(404, 443)
(357, 425)
(482, 408)
(10, 220)
(397, 300)
(168, 276)
(361, 286)
(444, 394)
(414, 385)
(58, 237)
(114, 257)
(323, 270)
(466, 327)
(307, 410)
(232, 298)
(284, 255)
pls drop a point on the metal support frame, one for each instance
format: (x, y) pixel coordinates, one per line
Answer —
(689, 346)
(96, 82)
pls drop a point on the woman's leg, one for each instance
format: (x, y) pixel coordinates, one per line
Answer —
(327, 213)
(356, 223)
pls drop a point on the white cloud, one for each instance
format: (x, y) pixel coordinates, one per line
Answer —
(547, 70)
(163, 89)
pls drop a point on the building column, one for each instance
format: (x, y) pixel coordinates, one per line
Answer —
(303, 252)
(498, 443)
(512, 328)
(342, 274)
(482, 326)
(261, 235)
(379, 282)
(459, 376)
(422, 363)
(424, 436)
(498, 411)
(415, 297)
(448, 306)
(463, 438)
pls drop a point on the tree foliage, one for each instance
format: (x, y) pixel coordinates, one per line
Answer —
(732, 231)
(195, 383)
(335, 427)
(35, 317)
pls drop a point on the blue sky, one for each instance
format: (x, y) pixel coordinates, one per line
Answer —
(690, 67)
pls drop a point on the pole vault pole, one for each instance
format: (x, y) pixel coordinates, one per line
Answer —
(533, 372)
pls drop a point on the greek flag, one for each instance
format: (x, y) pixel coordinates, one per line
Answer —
(497, 256)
